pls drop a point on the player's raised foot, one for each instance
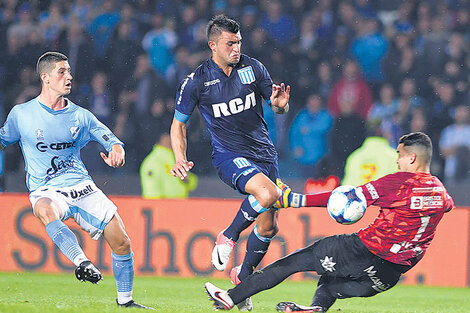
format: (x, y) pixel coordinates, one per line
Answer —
(294, 307)
(283, 201)
(247, 304)
(134, 305)
(288, 198)
(86, 271)
(221, 253)
(220, 297)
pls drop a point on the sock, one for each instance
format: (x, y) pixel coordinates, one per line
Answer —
(289, 199)
(249, 211)
(66, 240)
(256, 248)
(317, 199)
(296, 200)
(123, 271)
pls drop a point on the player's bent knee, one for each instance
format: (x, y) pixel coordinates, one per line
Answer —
(275, 193)
(268, 196)
(45, 210)
(42, 206)
(263, 198)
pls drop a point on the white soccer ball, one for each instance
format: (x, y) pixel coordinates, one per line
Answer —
(347, 204)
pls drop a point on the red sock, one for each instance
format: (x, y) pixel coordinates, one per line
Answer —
(317, 199)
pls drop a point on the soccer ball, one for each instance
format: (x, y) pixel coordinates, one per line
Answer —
(347, 204)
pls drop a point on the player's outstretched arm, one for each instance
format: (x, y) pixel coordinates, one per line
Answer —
(317, 199)
(116, 157)
(280, 98)
(290, 199)
(178, 144)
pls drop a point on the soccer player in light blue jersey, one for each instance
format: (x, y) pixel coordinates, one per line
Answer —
(51, 130)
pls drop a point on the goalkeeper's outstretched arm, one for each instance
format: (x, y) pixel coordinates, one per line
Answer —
(317, 199)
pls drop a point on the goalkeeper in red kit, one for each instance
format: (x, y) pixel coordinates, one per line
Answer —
(412, 202)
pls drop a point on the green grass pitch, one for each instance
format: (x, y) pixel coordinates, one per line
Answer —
(34, 292)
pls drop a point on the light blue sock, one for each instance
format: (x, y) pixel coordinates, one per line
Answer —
(65, 239)
(123, 271)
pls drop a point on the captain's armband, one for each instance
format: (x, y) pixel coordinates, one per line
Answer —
(180, 117)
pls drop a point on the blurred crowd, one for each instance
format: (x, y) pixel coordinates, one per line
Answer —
(357, 68)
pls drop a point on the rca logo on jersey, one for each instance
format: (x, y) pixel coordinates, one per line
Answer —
(246, 75)
(234, 106)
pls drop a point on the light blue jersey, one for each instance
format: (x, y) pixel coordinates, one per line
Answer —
(51, 141)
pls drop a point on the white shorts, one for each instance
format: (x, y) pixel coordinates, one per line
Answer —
(85, 202)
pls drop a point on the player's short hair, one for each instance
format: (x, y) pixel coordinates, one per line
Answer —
(47, 61)
(420, 143)
(220, 23)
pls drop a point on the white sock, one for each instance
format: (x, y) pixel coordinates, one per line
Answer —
(79, 259)
(124, 297)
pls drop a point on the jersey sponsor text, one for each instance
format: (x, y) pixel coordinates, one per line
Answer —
(234, 106)
(41, 146)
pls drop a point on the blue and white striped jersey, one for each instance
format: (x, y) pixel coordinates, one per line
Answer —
(230, 106)
(51, 141)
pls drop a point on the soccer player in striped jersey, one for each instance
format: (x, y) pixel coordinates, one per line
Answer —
(412, 203)
(228, 90)
(51, 130)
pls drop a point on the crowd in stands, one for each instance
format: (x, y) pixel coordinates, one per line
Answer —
(356, 68)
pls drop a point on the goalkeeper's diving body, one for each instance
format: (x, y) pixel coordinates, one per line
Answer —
(412, 203)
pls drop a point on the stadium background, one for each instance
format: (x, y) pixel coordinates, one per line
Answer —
(127, 58)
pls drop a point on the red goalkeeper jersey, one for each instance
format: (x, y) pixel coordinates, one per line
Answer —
(411, 206)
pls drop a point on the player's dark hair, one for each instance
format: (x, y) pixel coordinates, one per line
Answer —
(419, 140)
(47, 61)
(220, 23)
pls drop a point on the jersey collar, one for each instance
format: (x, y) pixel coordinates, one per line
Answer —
(214, 65)
(48, 109)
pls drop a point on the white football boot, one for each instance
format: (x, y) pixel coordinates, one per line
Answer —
(221, 253)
